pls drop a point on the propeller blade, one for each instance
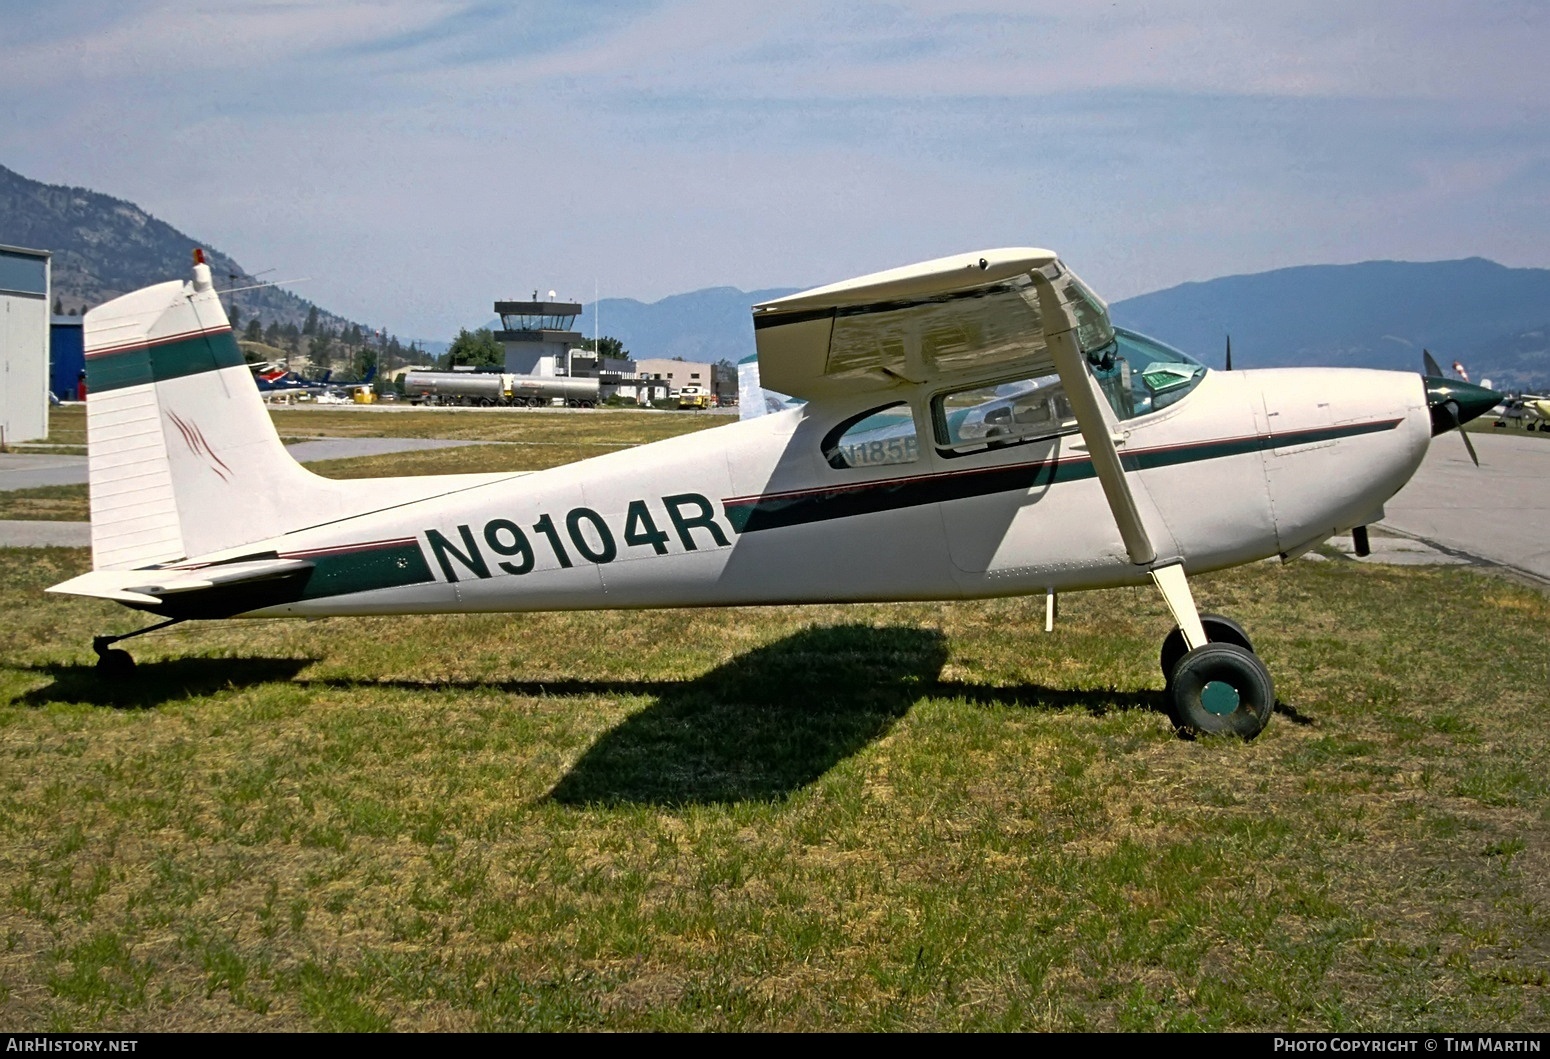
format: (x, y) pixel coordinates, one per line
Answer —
(1470, 445)
(1453, 411)
(1432, 368)
(1229, 353)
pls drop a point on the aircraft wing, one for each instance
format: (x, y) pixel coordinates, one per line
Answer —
(957, 315)
(1012, 312)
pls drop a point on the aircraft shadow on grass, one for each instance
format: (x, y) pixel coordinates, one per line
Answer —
(761, 726)
(157, 683)
(773, 720)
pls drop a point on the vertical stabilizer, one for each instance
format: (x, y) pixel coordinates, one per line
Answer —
(753, 400)
(182, 457)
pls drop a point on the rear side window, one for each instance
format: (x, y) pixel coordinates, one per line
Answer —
(877, 437)
(1006, 413)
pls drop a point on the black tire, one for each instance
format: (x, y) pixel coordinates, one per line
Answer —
(1219, 629)
(115, 664)
(1222, 689)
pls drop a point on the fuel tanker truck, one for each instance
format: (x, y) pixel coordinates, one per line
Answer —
(491, 388)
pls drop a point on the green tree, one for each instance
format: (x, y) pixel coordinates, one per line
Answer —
(477, 348)
(607, 346)
(59, 306)
(255, 331)
(364, 360)
(321, 351)
(311, 326)
(235, 317)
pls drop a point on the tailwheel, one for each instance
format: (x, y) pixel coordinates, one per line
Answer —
(1221, 689)
(115, 663)
(1218, 630)
(112, 662)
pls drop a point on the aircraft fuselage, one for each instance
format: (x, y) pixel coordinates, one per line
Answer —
(1249, 465)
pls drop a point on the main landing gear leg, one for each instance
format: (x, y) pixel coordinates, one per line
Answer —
(1215, 682)
(113, 662)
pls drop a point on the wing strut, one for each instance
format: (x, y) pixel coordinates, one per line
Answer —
(1087, 404)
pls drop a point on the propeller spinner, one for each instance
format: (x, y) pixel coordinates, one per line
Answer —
(1454, 403)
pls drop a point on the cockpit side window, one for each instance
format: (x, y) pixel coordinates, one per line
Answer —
(1140, 375)
(877, 437)
(1006, 413)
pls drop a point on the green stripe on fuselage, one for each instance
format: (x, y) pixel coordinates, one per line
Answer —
(844, 501)
(158, 363)
(362, 571)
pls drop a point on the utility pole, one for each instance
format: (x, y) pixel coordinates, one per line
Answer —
(382, 361)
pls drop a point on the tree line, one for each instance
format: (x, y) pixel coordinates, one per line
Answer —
(348, 351)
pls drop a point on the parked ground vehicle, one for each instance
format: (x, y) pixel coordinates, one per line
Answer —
(494, 388)
(694, 397)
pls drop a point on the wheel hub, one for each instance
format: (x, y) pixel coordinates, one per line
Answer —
(1219, 698)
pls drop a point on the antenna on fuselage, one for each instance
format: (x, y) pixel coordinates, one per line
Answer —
(1229, 354)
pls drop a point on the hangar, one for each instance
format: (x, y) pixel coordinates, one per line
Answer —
(24, 335)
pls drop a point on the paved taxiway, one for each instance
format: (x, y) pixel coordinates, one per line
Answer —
(26, 470)
(1498, 513)
(31, 470)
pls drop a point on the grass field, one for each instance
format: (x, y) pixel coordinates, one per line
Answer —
(897, 817)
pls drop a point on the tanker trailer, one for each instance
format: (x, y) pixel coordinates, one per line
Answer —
(538, 390)
(458, 387)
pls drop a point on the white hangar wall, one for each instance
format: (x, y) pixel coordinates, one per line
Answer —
(24, 317)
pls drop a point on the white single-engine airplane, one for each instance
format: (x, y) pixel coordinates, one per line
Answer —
(973, 427)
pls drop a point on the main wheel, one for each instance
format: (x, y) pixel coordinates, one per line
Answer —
(1222, 689)
(1218, 630)
(114, 663)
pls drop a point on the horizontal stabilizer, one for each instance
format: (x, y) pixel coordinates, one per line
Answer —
(156, 586)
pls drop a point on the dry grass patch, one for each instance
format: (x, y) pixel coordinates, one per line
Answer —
(531, 425)
(46, 503)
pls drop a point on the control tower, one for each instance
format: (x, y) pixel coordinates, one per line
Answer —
(537, 335)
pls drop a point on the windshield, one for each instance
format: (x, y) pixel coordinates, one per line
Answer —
(1140, 375)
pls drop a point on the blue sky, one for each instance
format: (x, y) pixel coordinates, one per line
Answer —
(419, 160)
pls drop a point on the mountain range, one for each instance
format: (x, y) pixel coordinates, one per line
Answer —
(103, 247)
(1378, 314)
(1492, 318)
